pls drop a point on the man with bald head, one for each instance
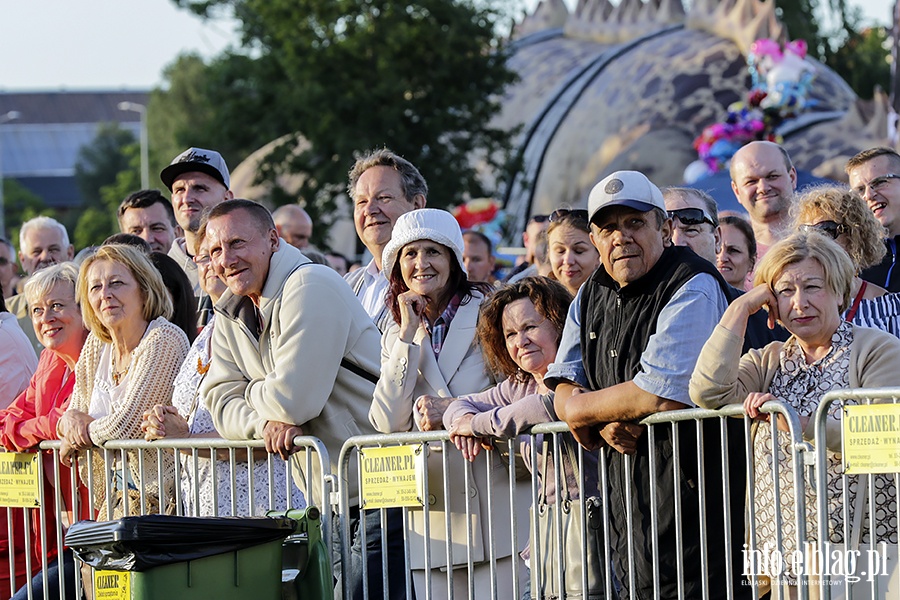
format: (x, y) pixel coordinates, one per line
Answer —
(294, 225)
(763, 180)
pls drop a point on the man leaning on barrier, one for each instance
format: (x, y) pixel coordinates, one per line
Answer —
(294, 353)
(629, 346)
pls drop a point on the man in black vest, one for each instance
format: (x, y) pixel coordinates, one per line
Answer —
(629, 347)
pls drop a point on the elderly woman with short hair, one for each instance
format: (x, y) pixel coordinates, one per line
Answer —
(127, 366)
(33, 415)
(804, 282)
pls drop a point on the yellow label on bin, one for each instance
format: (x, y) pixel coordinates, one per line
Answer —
(19, 483)
(112, 585)
(871, 438)
(392, 476)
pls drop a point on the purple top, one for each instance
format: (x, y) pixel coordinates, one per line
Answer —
(511, 408)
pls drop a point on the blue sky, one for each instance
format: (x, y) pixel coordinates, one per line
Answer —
(125, 44)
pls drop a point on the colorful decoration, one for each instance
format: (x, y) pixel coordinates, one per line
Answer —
(484, 215)
(781, 78)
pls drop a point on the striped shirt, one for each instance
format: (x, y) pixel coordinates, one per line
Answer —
(881, 313)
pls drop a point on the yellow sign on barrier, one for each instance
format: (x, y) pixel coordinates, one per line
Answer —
(19, 483)
(392, 476)
(112, 585)
(871, 438)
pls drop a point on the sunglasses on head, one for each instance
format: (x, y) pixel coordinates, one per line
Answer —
(830, 228)
(561, 213)
(691, 216)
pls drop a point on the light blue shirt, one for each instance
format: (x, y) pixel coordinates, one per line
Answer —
(685, 323)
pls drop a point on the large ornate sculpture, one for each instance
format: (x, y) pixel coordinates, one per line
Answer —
(632, 86)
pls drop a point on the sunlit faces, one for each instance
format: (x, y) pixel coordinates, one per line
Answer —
(43, 247)
(806, 307)
(734, 260)
(378, 203)
(425, 268)
(114, 294)
(209, 281)
(192, 193)
(762, 182)
(531, 339)
(152, 224)
(572, 256)
(57, 320)
(241, 250)
(630, 242)
(881, 192)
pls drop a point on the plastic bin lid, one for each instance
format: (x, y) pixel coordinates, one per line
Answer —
(143, 542)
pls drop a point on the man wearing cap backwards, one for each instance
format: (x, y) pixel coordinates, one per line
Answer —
(198, 179)
(293, 354)
(383, 186)
(628, 349)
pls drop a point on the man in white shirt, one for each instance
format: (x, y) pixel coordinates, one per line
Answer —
(383, 186)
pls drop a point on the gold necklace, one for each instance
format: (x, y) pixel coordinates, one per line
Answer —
(119, 375)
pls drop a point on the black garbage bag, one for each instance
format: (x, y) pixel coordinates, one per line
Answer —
(143, 542)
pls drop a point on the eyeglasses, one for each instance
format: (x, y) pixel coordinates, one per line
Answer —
(201, 259)
(561, 213)
(876, 183)
(539, 219)
(830, 228)
(691, 216)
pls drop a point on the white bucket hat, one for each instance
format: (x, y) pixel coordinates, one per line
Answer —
(423, 224)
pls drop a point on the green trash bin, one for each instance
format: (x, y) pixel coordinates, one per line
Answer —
(162, 557)
(306, 563)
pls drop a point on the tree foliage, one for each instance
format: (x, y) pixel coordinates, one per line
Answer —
(837, 37)
(20, 205)
(106, 171)
(422, 77)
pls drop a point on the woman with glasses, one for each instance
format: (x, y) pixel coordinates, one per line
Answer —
(32, 418)
(572, 255)
(842, 215)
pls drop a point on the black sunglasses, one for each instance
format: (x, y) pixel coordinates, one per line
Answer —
(561, 213)
(539, 219)
(691, 216)
(830, 228)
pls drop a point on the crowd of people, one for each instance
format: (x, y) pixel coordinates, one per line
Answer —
(210, 316)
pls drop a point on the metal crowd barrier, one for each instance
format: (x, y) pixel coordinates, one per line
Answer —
(486, 496)
(409, 476)
(856, 545)
(236, 456)
(726, 498)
